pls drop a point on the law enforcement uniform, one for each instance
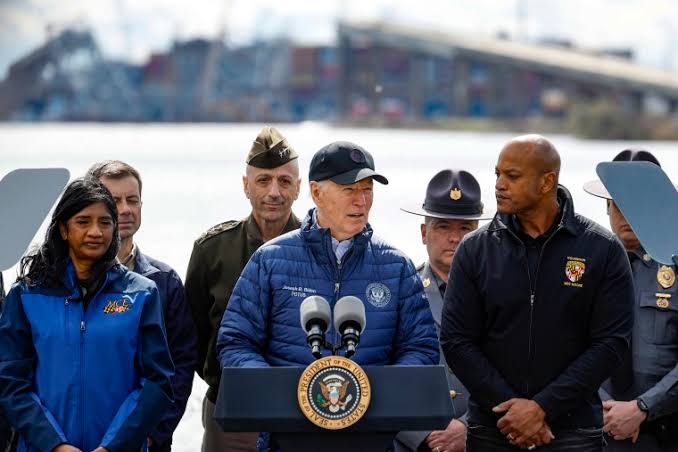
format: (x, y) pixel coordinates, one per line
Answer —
(649, 373)
(217, 260)
(454, 195)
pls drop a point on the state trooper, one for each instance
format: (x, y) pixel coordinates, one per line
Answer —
(451, 209)
(641, 398)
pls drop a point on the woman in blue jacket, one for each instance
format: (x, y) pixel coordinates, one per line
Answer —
(84, 363)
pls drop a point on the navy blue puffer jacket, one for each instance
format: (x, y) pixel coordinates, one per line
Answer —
(261, 326)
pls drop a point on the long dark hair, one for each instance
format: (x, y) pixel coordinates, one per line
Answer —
(46, 266)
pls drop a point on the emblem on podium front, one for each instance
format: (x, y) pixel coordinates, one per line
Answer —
(334, 392)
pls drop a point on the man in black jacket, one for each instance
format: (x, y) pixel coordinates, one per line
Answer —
(537, 311)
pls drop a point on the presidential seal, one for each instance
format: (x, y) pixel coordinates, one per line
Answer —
(378, 294)
(333, 392)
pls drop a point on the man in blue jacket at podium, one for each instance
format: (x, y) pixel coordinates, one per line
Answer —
(334, 254)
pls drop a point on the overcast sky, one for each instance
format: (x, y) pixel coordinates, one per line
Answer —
(131, 29)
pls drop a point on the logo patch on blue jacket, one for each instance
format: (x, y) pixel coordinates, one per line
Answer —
(378, 294)
(119, 306)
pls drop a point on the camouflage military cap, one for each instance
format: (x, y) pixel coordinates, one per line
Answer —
(270, 149)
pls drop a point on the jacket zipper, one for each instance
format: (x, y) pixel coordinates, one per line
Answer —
(532, 296)
(82, 372)
(337, 282)
(83, 330)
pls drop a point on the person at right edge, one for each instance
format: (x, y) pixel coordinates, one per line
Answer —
(537, 312)
(640, 400)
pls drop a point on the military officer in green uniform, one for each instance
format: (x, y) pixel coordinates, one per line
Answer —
(451, 209)
(640, 401)
(271, 183)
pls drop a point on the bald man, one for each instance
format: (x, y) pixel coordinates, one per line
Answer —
(538, 312)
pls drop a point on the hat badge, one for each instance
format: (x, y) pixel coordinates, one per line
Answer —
(455, 194)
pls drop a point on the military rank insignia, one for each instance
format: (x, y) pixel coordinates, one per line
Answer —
(666, 276)
(426, 282)
(334, 392)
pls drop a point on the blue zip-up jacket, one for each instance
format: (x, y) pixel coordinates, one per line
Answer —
(89, 378)
(261, 326)
(5, 428)
(181, 338)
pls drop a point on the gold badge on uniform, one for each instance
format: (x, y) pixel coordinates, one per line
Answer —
(426, 282)
(663, 300)
(666, 277)
(455, 194)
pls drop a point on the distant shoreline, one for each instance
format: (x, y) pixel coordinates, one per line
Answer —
(591, 124)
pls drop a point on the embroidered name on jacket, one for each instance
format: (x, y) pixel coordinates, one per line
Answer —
(299, 291)
(118, 306)
(574, 270)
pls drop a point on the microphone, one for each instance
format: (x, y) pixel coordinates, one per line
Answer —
(315, 318)
(349, 321)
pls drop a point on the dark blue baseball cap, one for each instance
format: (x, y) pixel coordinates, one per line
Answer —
(343, 162)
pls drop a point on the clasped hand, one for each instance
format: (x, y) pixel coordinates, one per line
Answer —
(523, 423)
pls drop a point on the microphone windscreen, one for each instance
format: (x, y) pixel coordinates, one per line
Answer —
(349, 309)
(314, 308)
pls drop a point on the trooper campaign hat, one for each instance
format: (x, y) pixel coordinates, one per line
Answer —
(454, 195)
(596, 187)
(344, 163)
(270, 150)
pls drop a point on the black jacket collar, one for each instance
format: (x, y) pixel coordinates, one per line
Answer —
(568, 220)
